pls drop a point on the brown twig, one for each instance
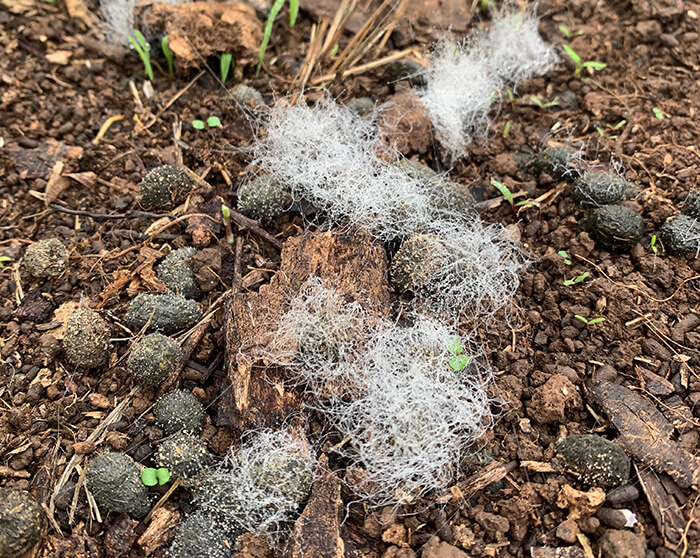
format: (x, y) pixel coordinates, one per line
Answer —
(246, 224)
(175, 98)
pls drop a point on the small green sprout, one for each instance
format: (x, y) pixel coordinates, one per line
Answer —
(4, 260)
(576, 280)
(458, 361)
(511, 94)
(225, 63)
(334, 50)
(508, 195)
(140, 44)
(589, 322)
(654, 248)
(267, 32)
(657, 113)
(580, 64)
(565, 255)
(506, 130)
(212, 122)
(168, 54)
(226, 218)
(151, 477)
(604, 132)
(539, 103)
(568, 33)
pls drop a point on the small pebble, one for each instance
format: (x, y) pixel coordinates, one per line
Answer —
(247, 96)
(595, 189)
(263, 198)
(623, 494)
(184, 455)
(617, 519)
(416, 263)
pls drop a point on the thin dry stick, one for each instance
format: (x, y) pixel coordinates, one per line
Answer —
(392, 25)
(175, 98)
(342, 16)
(365, 67)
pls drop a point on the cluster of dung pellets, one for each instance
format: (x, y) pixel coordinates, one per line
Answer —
(263, 198)
(114, 479)
(184, 455)
(86, 339)
(21, 522)
(179, 410)
(176, 272)
(165, 187)
(162, 312)
(153, 358)
(46, 259)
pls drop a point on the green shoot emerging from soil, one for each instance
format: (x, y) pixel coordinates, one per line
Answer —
(540, 104)
(580, 64)
(169, 56)
(657, 113)
(576, 280)
(151, 477)
(654, 248)
(212, 122)
(267, 33)
(458, 361)
(5, 259)
(226, 218)
(508, 195)
(225, 64)
(565, 255)
(589, 322)
(138, 41)
(568, 33)
(604, 133)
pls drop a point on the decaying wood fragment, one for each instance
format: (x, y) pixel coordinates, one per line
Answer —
(352, 264)
(317, 531)
(664, 505)
(645, 433)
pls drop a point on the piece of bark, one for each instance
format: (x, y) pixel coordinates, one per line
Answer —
(201, 29)
(493, 472)
(160, 529)
(317, 531)
(645, 433)
(352, 264)
(663, 506)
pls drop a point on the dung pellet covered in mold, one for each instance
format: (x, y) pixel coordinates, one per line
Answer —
(691, 205)
(179, 410)
(167, 312)
(114, 480)
(153, 358)
(680, 236)
(360, 105)
(21, 522)
(614, 226)
(184, 455)
(46, 259)
(416, 262)
(597, 461)
(86, 339)
(165, 187)
(176, 272)
(558, 162)
(247, 96)
(263, 198)
(201, 535)
(594, 189)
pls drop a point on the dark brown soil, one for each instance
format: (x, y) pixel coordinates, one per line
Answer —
(510, 502)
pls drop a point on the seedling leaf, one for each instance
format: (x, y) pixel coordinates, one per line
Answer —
(503, 189)
(213, 122)
(595, 321)
(267, 33)
(169, 56)
(458, 362)
(149, 477)
(293, 12)
(594, 64)
(657, 113)
(225, 65)
(654, 248)
(163, 475)
(454, 346)
(198, 124)
(571, 53)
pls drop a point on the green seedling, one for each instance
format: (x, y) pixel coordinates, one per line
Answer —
(568, 33)
(4, 260)
(225, 63)
(657, 113)
(580, 64)
(576, 280)
(458, 361)
(152, 477)
(138, 41)
(226, 218)
(334, 50)
(267, 32)
(654, 247)
(511, 94)
(212, 122)
(508, 195)
(589, 322)
(539, 103)
(506, 130)
(169, 56)
(604, 133)
(565, 255)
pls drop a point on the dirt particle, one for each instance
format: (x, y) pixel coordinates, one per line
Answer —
(614, 544)
(551, 401)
